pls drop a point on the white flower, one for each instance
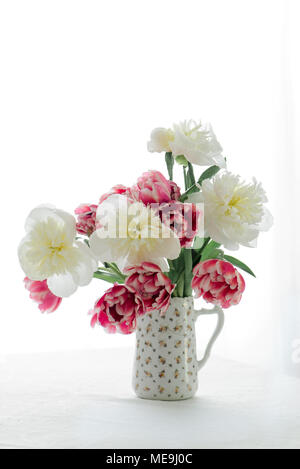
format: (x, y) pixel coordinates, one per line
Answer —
(160, 139)
(50, 251)
(234, 212)
(131, 233)
(196, 141)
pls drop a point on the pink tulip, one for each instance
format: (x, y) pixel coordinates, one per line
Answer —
(86, 219)
(40, 293)
(218, 282)
(117, 309)
(153, 188)
(183, 219)
(148, 281)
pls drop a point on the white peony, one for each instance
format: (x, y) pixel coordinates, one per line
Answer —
(160, 139)
(50, 251)
(234, 211)
(131, 233)
(197, 142)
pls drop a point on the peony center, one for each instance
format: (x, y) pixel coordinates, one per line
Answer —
(56, 249)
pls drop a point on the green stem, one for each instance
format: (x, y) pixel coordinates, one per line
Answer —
(180, 285)
(189, 191)
(185, 178)
(188, 272)
(175, 293)
(191, 174)
(170, 163)
(207, 240)
(197, 258)
(207, 174)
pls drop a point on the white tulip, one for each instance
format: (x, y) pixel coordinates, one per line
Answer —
(234, 211)
(131, 233)
(50, 251)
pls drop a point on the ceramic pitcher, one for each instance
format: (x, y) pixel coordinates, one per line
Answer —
(166, 365)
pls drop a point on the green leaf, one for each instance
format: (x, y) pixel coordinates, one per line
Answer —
(108, 277)
(239, 264)
(198, 252)
(198, 242)
(213, 254)
(170, 163)
(211, 251)
(196, 258)
(208, 173)
(112, 269)
(189, 191)
(210, 245)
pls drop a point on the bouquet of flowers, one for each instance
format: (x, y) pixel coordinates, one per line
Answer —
(152, 241)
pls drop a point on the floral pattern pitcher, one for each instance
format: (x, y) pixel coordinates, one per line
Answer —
(166, 365)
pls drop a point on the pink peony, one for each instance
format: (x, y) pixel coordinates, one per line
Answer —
(118, 189)
(183, 219)
(218, 282)
(153, 188)
(117, 309)
(86, 219)
(148, 281)
(40, 293)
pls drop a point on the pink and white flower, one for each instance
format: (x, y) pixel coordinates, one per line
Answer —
(218, 282)
(117, 309)
(118, 189)
(40, 293)
(183, 219)
(148, 281)
(86, 218)
(153, 188)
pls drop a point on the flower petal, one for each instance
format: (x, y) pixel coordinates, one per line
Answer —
(62, 285)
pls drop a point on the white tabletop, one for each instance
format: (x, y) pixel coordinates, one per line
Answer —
(84, 400)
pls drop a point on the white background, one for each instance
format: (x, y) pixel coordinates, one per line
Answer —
(82, 85)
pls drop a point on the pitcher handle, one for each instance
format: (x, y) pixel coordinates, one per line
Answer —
(215, 310)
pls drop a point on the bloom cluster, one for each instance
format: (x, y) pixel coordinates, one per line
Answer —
(146, 289)
(151, 240)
